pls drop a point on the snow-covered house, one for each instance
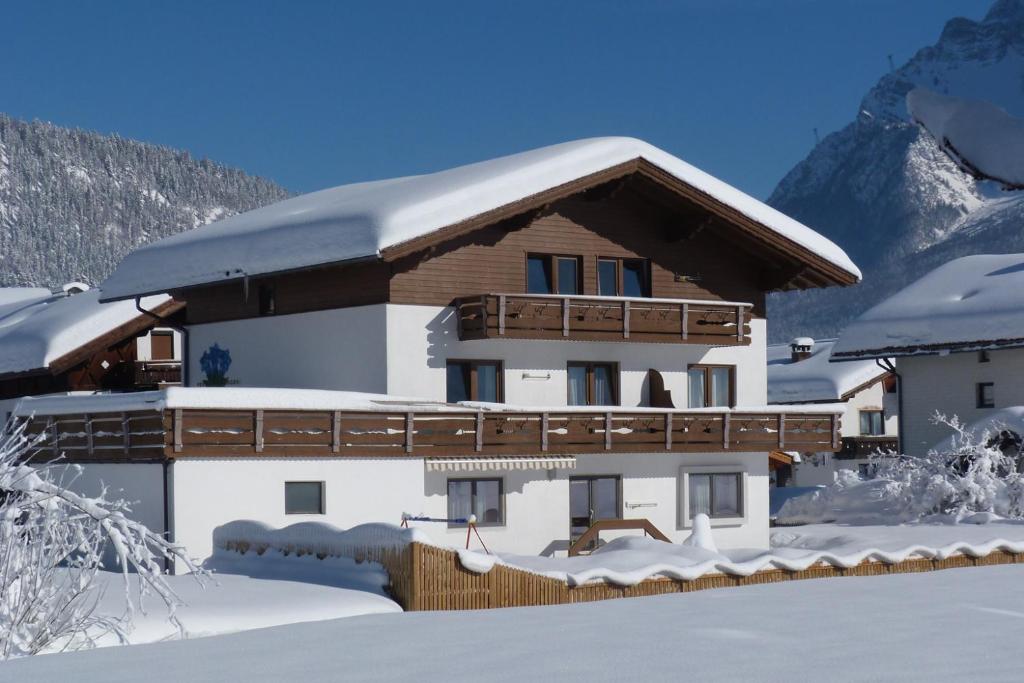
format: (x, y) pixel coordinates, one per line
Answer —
(799, 373)
(583, 326)
(957, 336)
(70, 342)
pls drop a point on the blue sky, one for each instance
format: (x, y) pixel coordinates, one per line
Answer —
(315, 94)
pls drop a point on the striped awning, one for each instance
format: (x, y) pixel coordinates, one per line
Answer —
(565, 462)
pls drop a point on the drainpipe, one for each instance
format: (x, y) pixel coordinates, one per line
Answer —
(886, 364)
(180, 329)
(166, 465)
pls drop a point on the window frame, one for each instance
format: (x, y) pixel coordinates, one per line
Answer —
(323, 495)
(591, 381)
(871, 411)
(620, 261)
(472, 497)
(474, 364)
(553, 269)
(162, 334)
(685, 522)
(980, 401)
(707, 368)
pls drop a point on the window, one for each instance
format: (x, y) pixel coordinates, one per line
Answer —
(481, 497)
(161, 346)
(986, 395)
(711, 386)
(716, 495)
(474, 380)
(623, 277)
(592, 384)
(984, 357)
(546, 274)
(267, 300)
(872, 423)
(304, 498)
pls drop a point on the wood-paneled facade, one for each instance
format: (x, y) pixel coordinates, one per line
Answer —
(694, 253)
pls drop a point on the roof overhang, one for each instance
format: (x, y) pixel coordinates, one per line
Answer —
(927, 349)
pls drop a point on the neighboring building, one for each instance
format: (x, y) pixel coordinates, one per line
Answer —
(583, 326)
(957, 336)
(799, 373)
(70, 342)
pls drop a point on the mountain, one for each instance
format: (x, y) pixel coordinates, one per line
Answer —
(73, 203)
(885, 190)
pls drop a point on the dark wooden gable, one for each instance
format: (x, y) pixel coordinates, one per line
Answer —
(693, 255)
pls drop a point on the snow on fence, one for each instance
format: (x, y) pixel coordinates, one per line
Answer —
(424, 576)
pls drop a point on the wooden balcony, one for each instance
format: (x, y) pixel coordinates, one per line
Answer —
(604, 318)
(155, 373)
(866, 446)
(187, 432)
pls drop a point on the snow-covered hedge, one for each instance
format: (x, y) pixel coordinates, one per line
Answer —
(977, 476)
(313, 538)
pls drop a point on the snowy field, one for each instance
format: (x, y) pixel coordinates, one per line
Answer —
(250, 593)
(914, 627)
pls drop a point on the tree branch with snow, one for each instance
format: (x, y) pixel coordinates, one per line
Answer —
(52, 544)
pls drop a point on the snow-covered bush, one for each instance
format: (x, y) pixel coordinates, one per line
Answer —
(975, 473)
(52, 542)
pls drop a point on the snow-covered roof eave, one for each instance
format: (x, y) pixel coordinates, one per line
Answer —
(365, 220)
(256, 398)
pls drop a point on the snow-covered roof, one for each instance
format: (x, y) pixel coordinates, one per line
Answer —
(40, 327)
(970, 303)
(814, 378)
(980, 136)
(359, 221)
(255, 398)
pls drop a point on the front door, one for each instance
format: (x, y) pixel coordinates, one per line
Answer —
(591, 499)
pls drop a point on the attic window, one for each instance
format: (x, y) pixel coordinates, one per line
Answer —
(986, 395)
(267, 298)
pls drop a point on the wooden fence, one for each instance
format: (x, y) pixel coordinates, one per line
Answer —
(430, 578)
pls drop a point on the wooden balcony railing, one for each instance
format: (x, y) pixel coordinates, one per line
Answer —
(865, 446)
(591, 537)
(185, 432)
(603, 318)
(154, 373)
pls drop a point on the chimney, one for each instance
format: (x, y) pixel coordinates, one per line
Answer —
(801, 348)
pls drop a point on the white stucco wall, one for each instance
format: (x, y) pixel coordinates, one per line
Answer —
(422, 339)
(537, 502)
(948, 384)
(140, 485)
(336, 349)
(209, 492)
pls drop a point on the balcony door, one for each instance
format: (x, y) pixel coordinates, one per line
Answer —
(592, 499)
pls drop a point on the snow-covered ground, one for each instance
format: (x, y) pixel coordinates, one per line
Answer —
(248, 592)
(912, 627)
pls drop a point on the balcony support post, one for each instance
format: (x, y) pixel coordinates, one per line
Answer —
(725, 431)
(336, 432)
(501, 314)
(544, 421)
(782, 431)
(607, 431)
(478, 444)
(565, 316)
(684, 317)
(258, 431)
(177, 430)
(625, 319)
(739, 324)
(668, 431)
(409, 425)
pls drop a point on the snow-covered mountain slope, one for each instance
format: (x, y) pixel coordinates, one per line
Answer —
(73, 203)
(884, 189)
